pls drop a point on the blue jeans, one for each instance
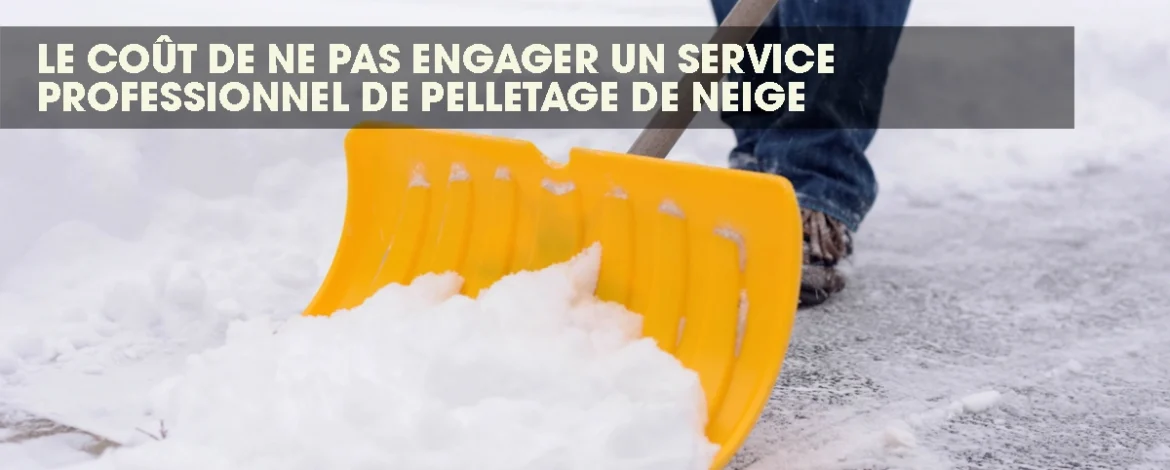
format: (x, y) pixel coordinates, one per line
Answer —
(821, 150)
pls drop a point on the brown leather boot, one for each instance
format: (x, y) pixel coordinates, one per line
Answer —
(826, 243)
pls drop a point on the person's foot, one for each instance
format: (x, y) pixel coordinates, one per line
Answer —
(826, 243)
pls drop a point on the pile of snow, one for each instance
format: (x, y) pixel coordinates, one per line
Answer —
(536, 373)
(85, 300)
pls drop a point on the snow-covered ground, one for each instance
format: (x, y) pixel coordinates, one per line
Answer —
(1007, 309)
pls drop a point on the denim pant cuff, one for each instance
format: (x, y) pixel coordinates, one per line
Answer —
(852, 220)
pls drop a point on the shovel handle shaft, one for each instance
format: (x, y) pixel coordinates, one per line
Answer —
(664, 129)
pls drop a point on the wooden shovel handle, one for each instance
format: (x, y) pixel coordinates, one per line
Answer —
(664, 129)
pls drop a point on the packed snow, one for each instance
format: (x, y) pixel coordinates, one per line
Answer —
(535, 373)
(1007, 306)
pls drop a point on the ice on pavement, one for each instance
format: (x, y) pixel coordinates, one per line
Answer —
(981, 401)
(535, 373)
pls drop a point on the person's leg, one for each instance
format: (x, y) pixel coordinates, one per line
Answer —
(746, 128)
(821, 150)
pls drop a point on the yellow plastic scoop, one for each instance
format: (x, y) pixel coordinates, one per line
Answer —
(709, 256)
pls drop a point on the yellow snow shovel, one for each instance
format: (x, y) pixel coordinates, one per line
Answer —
(709, 256)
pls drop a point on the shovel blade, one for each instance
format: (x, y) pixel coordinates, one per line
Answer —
(710, 257)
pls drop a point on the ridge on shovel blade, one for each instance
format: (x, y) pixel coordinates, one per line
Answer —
(710, 257)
